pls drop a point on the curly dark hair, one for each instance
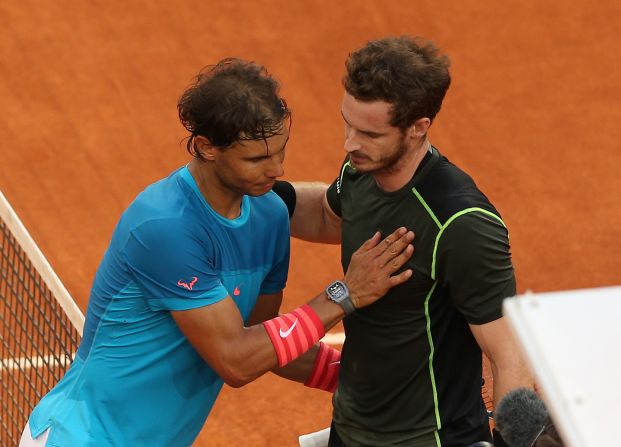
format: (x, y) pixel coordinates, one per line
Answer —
(232, 101)
(408, 73)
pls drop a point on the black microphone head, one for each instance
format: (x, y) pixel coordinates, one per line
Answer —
(520, 416)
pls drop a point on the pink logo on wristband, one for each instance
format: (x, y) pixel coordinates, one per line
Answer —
(285, 334)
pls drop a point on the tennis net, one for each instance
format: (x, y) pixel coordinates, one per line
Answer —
(40, 325)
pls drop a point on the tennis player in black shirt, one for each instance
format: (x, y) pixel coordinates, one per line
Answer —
(411, 366)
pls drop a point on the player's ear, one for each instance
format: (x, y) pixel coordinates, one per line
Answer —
(419, 128)
(204, 148)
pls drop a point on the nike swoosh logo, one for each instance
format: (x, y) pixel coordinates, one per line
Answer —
(285, 334)
(338, 362)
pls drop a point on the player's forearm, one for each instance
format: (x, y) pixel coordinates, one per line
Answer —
(300, 369)
(311, 221)
(509, 375)
(501, 348)
(253, 352)
(247, 357)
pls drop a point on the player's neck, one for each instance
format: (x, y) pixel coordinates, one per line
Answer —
(220, 198)
(402, 172)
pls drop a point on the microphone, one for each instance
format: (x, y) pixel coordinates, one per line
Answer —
(520, 417)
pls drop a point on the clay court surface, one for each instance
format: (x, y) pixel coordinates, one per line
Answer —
(88, 96)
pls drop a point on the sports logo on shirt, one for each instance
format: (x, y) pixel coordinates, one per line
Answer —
(187, 285)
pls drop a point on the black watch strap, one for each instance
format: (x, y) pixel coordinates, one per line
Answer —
(347, 305)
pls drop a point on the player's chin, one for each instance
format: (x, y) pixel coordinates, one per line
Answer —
(260, 189)
(363, 166)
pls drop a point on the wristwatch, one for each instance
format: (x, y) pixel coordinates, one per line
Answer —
(339, 293)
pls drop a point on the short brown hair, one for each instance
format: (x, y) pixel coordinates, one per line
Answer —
(409, 73)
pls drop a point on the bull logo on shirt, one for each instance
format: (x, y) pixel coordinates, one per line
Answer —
(187, 285)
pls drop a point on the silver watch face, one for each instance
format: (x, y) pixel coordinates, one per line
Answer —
(337, 291)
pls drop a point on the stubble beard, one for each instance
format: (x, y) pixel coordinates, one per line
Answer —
(390, 163)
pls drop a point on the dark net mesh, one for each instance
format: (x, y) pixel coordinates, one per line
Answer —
(37, 338)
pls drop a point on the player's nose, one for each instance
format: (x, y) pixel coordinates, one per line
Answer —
(351, 144)
(275, 170)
